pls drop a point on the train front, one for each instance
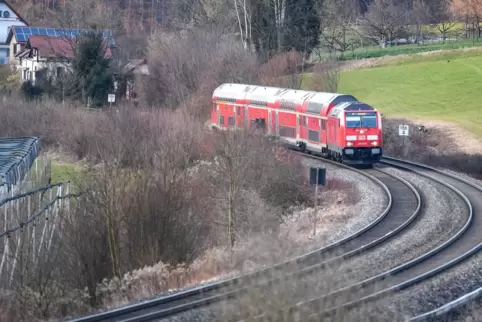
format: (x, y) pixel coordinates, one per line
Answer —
(364, 137)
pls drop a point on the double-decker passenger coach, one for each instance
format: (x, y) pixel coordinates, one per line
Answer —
(333, 125)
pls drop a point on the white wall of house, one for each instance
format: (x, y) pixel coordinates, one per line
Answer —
(29, 67)
(8, 18)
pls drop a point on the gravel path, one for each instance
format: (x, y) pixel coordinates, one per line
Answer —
(370, 205)
(332, 226)
(442, 216)
(335, 221)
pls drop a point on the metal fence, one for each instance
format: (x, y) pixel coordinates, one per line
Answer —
(16, 158)
(28, 224)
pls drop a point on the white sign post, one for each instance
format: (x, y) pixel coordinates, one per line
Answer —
(403, 130)
(110, 99)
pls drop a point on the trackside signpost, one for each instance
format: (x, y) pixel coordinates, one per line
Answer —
(403, 130)
(110, 99)
(317, 177)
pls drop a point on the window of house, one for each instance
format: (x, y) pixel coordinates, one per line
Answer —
(59, 71)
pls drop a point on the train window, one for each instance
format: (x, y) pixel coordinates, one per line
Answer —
(313, 136)
(238, 108)
(221, 120)
(230, 121)
(366, 121)
(323, 125)
(289, 132)
(305, 120)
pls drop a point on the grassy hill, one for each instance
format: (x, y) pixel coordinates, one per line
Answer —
(447, 87)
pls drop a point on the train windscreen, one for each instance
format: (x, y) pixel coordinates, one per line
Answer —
(361, 119)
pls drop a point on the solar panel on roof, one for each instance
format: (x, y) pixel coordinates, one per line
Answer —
(23, 33)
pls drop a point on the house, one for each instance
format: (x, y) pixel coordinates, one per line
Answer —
(18, 36)
(134, 68)
(137, 66)
(50, 55)
(8, 17)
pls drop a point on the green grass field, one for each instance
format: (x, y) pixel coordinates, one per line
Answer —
(446, 87)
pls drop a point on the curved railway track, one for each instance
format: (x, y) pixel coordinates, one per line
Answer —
(466, 242)
(404, 204)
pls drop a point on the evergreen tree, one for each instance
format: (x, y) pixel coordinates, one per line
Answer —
(302, 23)
(92, 69)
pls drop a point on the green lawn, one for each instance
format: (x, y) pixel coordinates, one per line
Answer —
(63, 172)
(446, 87)
(374, 51)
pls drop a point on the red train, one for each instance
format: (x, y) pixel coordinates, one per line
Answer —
(336, 126)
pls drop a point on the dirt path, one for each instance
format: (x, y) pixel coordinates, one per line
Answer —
(465, 140)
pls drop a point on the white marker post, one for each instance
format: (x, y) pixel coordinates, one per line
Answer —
(403, 131)
(317, 177)
(110, 99)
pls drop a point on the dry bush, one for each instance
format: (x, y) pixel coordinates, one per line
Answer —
(282, 70)
(324, 77)
(186, 68)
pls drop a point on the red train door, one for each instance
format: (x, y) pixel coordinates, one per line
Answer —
(239, 116)
(323, 136)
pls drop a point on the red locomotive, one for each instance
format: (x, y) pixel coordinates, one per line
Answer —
(333, 125)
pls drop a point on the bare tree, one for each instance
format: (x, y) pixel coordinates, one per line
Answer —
(337, 29)
(420, 16)
(324, 78)
(384, 21)
(471, 12)
(443, 17)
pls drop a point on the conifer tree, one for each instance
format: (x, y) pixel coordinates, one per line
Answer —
(91, 68)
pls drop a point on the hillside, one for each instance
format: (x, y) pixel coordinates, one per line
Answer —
(445, 87)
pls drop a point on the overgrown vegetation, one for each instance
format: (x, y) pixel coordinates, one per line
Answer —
(159, 190)
(433, 147)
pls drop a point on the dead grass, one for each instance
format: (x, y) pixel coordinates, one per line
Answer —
(439, 146)
(217, 263)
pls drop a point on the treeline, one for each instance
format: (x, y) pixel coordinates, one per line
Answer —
(263, 29)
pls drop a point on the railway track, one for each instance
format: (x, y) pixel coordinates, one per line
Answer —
(404, 204)
(466, 242)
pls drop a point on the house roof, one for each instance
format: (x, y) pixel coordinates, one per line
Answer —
(50, 47)
(134, 63)
(22, 33)
(15, 12)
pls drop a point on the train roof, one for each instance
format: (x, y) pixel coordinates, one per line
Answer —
(288, 98)
(350, 106)
(262, 94)
(231, 92)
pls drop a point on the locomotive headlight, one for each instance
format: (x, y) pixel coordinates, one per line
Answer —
(349, 143)
(374, 143)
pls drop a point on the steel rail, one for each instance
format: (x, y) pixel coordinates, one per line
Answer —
(314, 303)
(384, 235)
(243, 280)
(162, 313)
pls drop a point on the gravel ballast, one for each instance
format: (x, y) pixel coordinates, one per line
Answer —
(442, 216)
